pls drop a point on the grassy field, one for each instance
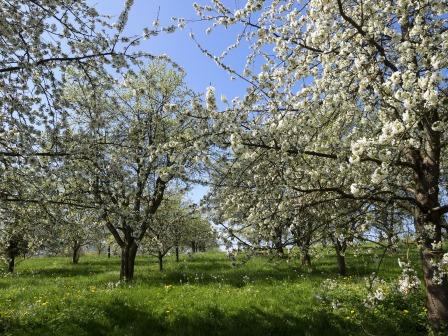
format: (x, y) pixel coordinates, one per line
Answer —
(203, 295)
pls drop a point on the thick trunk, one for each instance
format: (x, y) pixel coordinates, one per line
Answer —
(76, 253)
(128, 253)
(436, 291)
(160, 257)
(11, 263)
(428, 223)
(13, 251)
(340, 256)
(177, 253)
(342, 269)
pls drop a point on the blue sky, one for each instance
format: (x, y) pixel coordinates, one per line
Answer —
(201, 71)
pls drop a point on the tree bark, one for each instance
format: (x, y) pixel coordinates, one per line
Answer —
(340, 250)
(76, 252)
(305, 248)
(128, 253)
(428, 222)
(160, 257)
(11, 263)
(12, 251)
(342, 269)
(436, 292)
(177, 253)
(278, 244)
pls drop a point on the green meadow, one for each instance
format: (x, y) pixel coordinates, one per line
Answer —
(204, 294)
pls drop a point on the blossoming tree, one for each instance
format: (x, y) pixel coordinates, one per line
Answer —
(356, 94)
(134, 139)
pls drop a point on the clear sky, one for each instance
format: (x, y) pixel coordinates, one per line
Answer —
(201, 71)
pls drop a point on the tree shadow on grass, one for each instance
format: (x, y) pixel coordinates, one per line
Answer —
(203, 269)
(66, 271)
(4, 285)
(212, 320)
(239, 276)
(123, 319)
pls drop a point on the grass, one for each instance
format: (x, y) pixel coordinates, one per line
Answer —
(203, 295)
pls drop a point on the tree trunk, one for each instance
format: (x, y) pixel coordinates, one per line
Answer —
(340, 250)
(193, 247)
(306, 260)
(278, 244)
(76, 252)
(108, 251)
(342, 269)
(160, 257)
(11, 261)
(128, 253)
(436, 292)
(177, 253)
(428, 221)
(12, 251)
(305, 248)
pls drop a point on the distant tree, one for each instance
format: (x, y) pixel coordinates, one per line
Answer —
(22, 233)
